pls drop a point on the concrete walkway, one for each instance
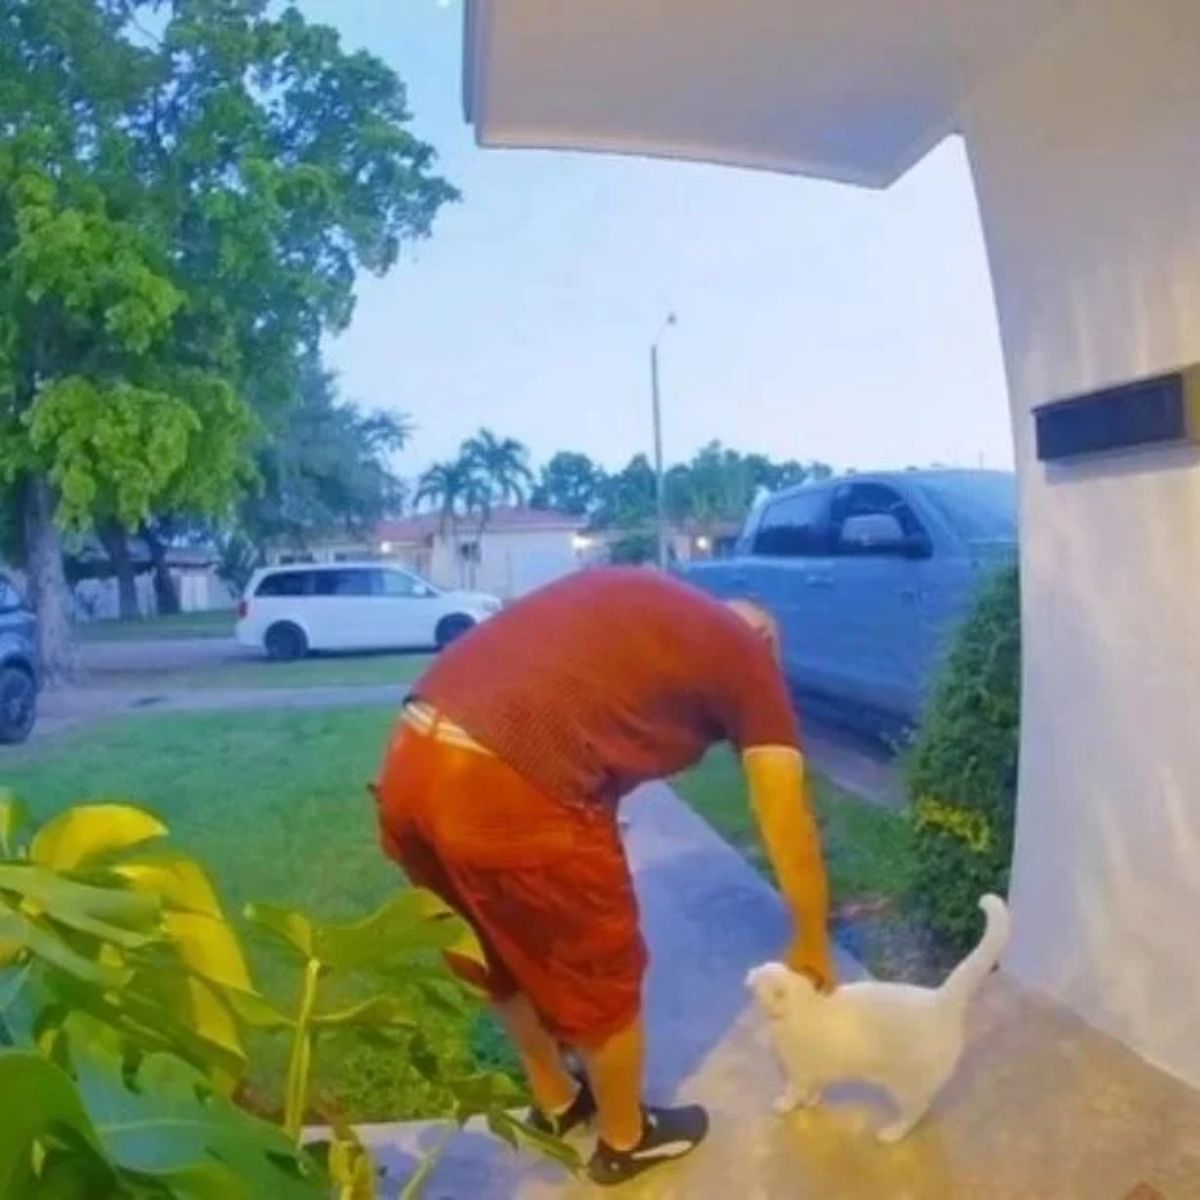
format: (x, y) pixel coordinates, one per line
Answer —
(1043, 1107)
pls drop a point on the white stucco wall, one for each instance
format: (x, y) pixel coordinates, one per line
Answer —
(1087, 162)
(513, 563)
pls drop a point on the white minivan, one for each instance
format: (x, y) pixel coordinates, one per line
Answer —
(291, 610)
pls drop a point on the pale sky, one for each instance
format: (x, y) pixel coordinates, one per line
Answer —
(815, 320)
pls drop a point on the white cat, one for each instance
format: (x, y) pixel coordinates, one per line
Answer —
(902, 1038)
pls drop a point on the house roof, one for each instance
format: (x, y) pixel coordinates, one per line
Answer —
(505, 519)
(856, 91)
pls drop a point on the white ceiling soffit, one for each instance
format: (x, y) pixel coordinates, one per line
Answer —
(851, 90)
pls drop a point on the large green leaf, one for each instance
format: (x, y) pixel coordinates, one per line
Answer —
(74, 1172)
(258, 1012)
(494, 1097)
(14, 820)
(149, 1012)
(22, 931)
(291, 928)
(38, 1101)
(125, 918)
(206, 944)
(165, 1121)
(523, 1137)
(482, 1093)
(87, 834)
(179, 881)
(409, 921)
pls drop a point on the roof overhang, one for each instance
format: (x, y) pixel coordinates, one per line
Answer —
(850, 90)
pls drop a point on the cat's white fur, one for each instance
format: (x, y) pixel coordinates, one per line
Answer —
(904, 1039)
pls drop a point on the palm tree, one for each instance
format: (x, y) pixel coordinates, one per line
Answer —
(502, 466)
(456, 489)
(503, 462)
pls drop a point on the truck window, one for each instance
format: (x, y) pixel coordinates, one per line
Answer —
(794, 527)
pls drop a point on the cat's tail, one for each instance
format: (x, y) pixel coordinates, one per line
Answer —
(966, 978)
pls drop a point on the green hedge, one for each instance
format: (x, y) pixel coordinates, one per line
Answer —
(962, 773)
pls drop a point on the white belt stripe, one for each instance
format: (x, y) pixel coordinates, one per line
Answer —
(425, 719)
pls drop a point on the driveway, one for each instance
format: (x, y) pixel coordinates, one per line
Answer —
(108, 659)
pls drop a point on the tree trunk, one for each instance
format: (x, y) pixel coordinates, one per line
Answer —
(116, 543)
(166, 594)
(48, 585)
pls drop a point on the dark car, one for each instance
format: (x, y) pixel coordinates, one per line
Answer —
(868, 576)
(19, 676)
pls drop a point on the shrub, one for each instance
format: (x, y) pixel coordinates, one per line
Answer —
(962, 772)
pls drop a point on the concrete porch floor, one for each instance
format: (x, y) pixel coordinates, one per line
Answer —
(1043, 1107)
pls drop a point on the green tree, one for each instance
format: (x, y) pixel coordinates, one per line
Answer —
(721, 487)
(628, 496)
(324, 467)
(570, 482)
(188, 189)
(774, 476)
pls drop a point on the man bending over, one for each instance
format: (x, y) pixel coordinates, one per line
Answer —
(499, 792)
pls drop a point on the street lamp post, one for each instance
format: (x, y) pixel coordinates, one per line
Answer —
(660, 494)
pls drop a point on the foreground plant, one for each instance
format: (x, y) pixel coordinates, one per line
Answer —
(116, 972)
(124, 996)
(412, 929)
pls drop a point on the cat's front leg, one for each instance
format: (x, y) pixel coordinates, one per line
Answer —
(797, 1095)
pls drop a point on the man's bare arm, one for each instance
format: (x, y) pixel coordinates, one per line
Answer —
(779, 796)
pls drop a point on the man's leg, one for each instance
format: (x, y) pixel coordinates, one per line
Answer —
(615, 1072)
(554, 1087)
(633, 1137)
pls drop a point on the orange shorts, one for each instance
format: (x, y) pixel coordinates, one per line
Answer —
(545, 885)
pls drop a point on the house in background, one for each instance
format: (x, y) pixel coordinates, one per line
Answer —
(518, 550)
(193, 570)
(687, 541)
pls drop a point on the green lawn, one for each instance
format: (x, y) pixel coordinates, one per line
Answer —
(345, 671)
(867, 848)
(185, 625)
(276, 804)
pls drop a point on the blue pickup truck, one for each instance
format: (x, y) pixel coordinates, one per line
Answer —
(868, 576)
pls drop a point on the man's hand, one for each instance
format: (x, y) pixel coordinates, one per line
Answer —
(814, 959)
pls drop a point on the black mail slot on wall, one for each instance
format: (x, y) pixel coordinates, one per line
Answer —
(1161, 411)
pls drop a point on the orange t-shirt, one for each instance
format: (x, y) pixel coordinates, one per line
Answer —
(608, 679)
